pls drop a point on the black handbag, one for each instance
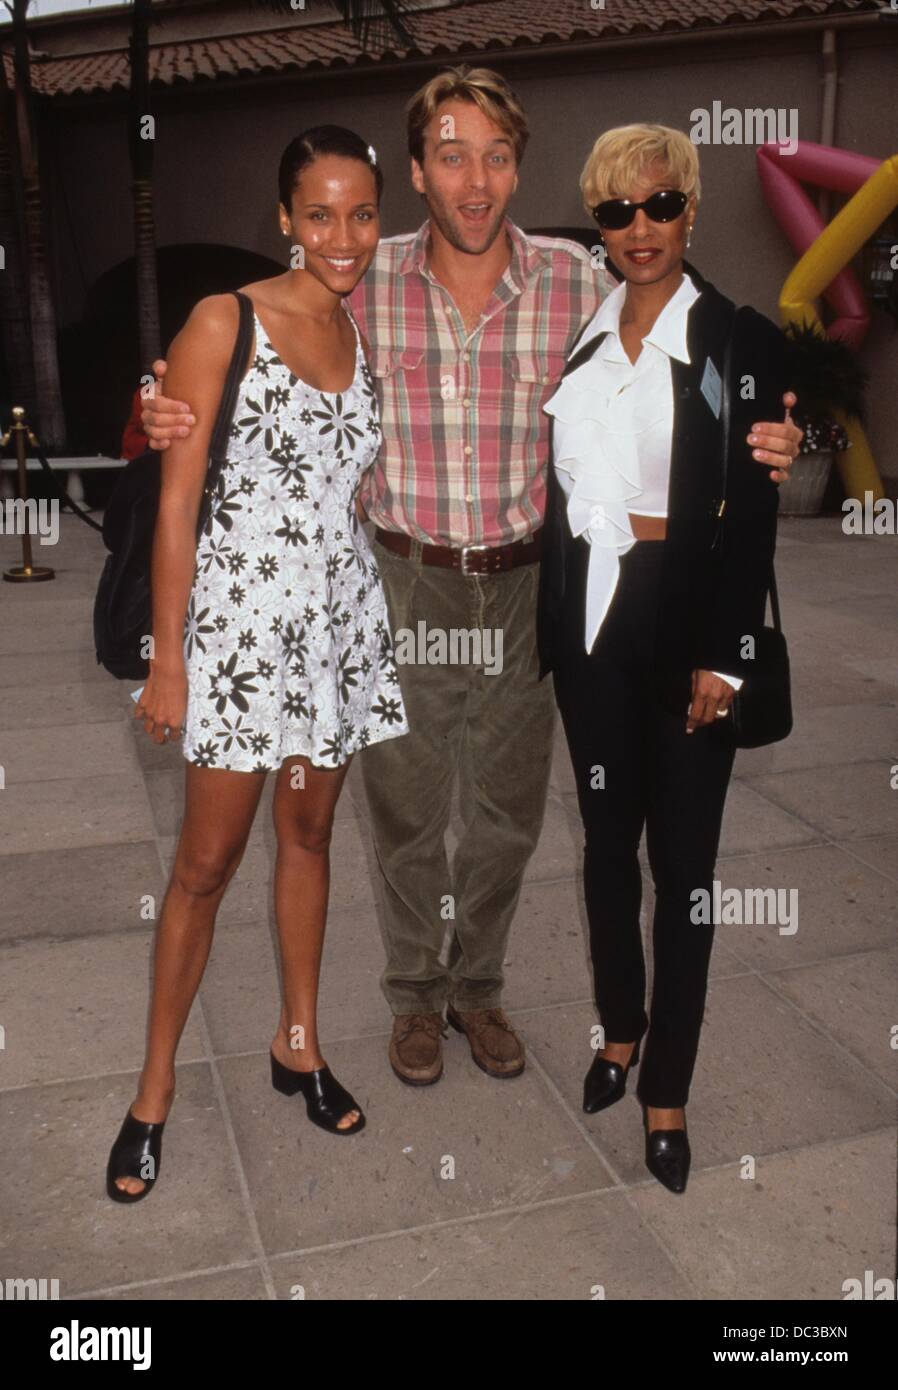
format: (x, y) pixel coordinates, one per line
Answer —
(762, 709)
(123, 608)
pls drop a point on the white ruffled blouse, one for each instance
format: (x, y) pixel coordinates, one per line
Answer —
(612, 439)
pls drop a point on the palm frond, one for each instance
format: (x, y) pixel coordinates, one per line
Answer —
(371, 21)
(824, 372)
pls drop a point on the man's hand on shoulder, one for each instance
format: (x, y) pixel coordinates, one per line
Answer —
(163, 420)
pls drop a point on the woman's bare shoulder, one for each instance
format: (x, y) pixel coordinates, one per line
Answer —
(215, 313)
(211, 330)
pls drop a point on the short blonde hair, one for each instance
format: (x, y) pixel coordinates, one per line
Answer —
(621, 156)
(481, 86)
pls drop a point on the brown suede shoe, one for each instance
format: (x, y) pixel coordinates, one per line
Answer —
(416, 1048)
(495, 1046)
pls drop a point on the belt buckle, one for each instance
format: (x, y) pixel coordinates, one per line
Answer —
(464, 551)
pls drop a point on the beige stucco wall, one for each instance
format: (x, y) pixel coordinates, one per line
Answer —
(217, 155)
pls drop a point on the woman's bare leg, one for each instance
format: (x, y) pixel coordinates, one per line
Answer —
(218, 815)
(305, 798)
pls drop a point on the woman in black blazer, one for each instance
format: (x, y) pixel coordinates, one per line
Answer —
(652, 597)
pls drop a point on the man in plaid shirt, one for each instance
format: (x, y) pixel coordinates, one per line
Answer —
(470, 469)
(468, 324)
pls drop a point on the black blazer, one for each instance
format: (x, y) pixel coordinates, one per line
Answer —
(715, 575)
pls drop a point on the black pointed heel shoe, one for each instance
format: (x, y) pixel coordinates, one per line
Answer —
(667, 1155)
(606, 1082)
(136, 1153)
(326, 1100)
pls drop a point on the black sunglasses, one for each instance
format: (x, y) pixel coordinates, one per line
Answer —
(617, 213)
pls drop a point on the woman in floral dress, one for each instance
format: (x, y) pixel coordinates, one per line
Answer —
(270, 635)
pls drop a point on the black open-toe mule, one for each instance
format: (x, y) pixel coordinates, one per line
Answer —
(326, 1100)
(136, 1153)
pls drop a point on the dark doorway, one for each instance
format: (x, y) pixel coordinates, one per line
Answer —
(99, 355)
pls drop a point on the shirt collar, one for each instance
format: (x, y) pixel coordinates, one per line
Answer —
(668, 332)
(607, 317)
(526, 258)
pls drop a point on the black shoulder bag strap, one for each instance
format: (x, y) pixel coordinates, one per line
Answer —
(218, 446)
(725, 451)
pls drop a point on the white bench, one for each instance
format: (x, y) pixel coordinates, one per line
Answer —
(75, 466)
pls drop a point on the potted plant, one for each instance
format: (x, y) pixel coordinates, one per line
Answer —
(826, 377)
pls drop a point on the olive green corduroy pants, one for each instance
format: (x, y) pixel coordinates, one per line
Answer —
(493, 732)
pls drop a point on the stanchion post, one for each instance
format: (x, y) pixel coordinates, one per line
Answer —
(26, 573)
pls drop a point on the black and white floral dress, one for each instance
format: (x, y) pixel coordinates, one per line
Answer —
(286, 641)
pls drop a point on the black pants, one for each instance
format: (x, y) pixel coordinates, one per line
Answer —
(636, 766)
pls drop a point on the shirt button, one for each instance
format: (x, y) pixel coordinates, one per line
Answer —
(469, 497)
(466, 404)
(546, 380)
(468, 449)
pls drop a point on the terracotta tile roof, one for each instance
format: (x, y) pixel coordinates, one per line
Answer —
(462, 29)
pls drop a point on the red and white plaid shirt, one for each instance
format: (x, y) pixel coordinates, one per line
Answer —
(466, 440)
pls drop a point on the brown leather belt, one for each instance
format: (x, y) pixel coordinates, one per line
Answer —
(467, 559)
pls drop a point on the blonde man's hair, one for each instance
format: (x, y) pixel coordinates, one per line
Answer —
(486, 89)
(621, 156)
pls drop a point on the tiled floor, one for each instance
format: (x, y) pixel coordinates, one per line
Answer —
(472, 1188)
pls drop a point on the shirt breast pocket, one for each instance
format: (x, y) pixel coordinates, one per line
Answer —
(537, 368)
(533, 379)
(399, 375)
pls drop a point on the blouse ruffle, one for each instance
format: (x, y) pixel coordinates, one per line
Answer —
(597, 463)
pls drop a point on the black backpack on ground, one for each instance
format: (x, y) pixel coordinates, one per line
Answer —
(123, 608)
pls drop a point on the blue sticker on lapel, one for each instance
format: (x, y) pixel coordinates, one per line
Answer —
(711, 388)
